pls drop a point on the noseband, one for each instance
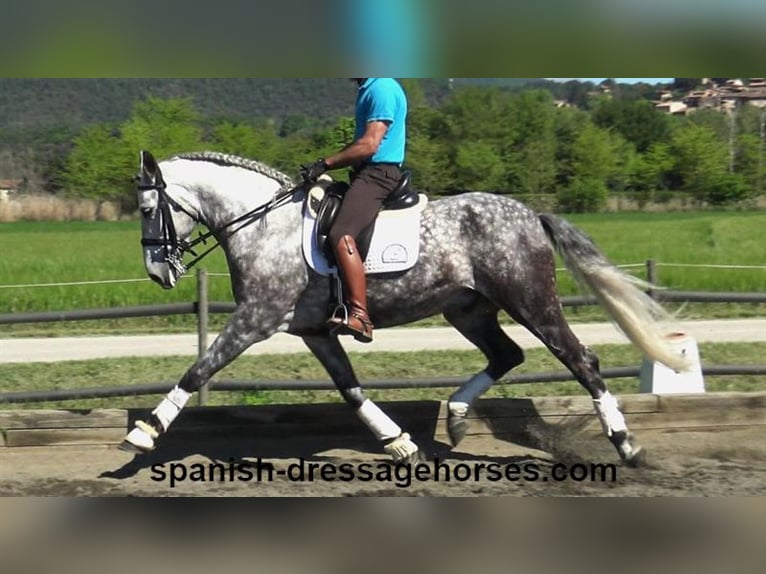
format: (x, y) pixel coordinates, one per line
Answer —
(175, 248)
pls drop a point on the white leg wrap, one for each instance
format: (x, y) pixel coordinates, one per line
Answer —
(609, 414)
(465, 396)
(378, 421)
(171, 405)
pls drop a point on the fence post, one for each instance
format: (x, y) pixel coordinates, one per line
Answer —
(202, 322)
(651, 276)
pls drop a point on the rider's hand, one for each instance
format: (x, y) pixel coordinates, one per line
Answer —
(310, 173)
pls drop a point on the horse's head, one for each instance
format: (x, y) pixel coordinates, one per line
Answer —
(168, 218)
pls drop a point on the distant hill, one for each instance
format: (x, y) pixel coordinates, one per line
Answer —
(37, 104)
(27, 103)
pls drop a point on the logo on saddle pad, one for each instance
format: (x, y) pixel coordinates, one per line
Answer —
(390, 244)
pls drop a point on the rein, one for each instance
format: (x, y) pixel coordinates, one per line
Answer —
(170, 237)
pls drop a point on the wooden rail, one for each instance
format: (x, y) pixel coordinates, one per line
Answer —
(425, 420)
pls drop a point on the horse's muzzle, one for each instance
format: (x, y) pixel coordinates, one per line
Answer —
(163, 282)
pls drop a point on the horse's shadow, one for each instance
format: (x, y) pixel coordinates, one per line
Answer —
(314, 433)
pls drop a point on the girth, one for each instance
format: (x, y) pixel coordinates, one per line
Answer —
(402, 197)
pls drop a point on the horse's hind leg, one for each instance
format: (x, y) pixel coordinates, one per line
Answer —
(539, 311)
(396, 443)
(476, 319)
(548, 325)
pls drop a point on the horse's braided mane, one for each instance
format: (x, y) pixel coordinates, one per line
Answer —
(236, 161)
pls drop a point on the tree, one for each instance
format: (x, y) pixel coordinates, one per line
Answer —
(594, 161)
(295, 123)
(164, 127)
(750, 157)
(429, 152)
(427, 162)
(576, 93)
(478, 167)
(637, 121)
(237, 139)
(337, 137)
(569, 122)
(529, 150)
(416, 96)
(748, 162)
(103, 160)
(582, 195)
(651, 169)
(701, 164)
(719, 123)
(538, 158)
(685, 84)
(479, 114)
(594, 154)
(97, 165)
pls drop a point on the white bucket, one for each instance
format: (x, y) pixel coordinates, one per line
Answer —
(658, 379)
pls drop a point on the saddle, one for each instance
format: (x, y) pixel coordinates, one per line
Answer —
(389, 245)
(402, 197)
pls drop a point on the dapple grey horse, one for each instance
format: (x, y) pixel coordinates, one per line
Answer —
(479, 253)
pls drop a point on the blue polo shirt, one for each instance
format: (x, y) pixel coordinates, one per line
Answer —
(383, 99)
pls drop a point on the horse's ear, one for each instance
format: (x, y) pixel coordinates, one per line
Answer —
(149, 173)
(148, 162)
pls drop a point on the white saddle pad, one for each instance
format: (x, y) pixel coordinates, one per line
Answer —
(395, 243)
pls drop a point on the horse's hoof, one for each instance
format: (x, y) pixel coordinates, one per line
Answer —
(402, 450)
(457, 422)
(457, 427)
(140, 439)
(633, 456)
(637, 458)
(126, 446)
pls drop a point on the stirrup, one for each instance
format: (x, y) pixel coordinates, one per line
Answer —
(336, 320)
(339, 314)
(363, 334)
(342, 326)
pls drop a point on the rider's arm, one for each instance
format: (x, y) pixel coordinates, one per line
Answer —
(361, 149)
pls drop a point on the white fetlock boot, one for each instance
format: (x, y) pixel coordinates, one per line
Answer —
(142, 438)
(396, 443)
(613, 423)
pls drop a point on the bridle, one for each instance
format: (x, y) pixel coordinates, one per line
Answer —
(176, 248)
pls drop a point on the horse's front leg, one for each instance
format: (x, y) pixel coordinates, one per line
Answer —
(332, 355)
(238, 334)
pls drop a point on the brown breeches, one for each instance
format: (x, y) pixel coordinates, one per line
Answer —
(370, 186)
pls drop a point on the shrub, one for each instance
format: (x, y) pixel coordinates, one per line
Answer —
(582, 195)
(726, 189)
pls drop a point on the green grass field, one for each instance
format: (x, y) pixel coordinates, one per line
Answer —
(59, 253)
(724, 238)
(127, 372)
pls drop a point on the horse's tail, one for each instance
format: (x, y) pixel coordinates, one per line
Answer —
(641, 318)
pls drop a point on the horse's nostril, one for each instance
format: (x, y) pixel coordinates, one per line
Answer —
(156, 278)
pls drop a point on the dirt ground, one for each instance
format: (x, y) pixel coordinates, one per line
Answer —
(721, 461)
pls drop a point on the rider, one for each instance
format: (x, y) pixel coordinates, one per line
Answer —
(375, 156)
